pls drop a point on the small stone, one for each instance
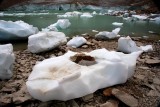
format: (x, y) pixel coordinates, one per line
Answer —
(156, 81)
(141, 77)
(73, 103)
(158, 88)
(107, 92)
(153, 93)
(145, 68)
(60, 53)
(19, 100)
(85, 46)
(110, 103)
(152, 61)
(87, 97)
(125, 98)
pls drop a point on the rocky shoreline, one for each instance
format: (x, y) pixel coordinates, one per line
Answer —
(144, 86)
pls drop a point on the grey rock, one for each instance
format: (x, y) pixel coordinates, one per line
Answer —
(87, 97)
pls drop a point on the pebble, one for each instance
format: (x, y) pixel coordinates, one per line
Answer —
(107, 92)
(156, 81)
(87, 97)
(152, 61)
(125, 97)
(110, 103)
(153, 93)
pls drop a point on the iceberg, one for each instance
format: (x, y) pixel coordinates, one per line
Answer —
(44, 41)
(117, 24)
(70, 14)
(61, 23)
(7, 59)
(140, 17)
(127, 45)
(108, 35)
(65, 77)
(15, 30)
(86, 15)
(76, 42)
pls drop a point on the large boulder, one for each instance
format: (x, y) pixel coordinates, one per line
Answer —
(7, 59)
(15, 30)
(44, 41)
(74, 75)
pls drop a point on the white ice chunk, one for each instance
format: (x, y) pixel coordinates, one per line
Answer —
(11, 30)
(77, 42)
(94, 13)
(7, 59)
(127, 45)
(140, 17)
(70, 14)
(108, 35)
(117, 24)
(59, 78)
(44, 41)
(146, 48)
(86, 15)
(94, 31)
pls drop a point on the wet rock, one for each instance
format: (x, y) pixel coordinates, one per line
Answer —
(110, 103)
(125, 98)
(87, 97)
(152, 61)
(107, 92)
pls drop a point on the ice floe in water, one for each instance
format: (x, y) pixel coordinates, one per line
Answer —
(86, 15)
(108, 35)
(14, 30)
(117, 24)
(74, 75)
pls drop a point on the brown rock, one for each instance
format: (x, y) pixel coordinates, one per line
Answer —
(125, 98)
(156, 81)
(107, 92)
(141, 77)
(153, 93)
(85, 46)
(19, 100)
(110, 103)
(152, 61)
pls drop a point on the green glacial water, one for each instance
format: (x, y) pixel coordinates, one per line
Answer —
(86, 25)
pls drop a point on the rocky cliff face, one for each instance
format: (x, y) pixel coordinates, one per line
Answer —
(149, 4)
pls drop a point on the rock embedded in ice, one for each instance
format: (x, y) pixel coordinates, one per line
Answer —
(77, 42)
(108, 35)
(127, 45)
(7, 59)
(86, 15)
(60, 78)
(16, 30)
(44, 41)
(117, 24)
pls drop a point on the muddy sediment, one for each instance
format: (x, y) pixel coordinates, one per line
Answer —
(144, 86)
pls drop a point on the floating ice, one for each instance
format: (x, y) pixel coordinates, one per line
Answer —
(140, 17)
(94, 31)
(108, 35)
(117, 24)
(64, 78)
(7, 59)
(86, 15)
(14, 30)
(125, 44)
(44, 41)
(70, 14)
(77, 42)
(94, 13)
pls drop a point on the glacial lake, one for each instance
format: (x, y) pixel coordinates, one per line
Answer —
(85, 25)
